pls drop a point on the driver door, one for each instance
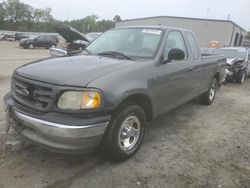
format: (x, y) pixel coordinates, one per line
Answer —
(174, 83)
(40, 41)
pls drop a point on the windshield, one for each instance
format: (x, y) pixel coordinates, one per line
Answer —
(33, 37)
(231, 53)
(132, 42)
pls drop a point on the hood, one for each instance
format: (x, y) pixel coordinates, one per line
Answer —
(70, 34)
(71, 71)
(24, 40)
(231, 61)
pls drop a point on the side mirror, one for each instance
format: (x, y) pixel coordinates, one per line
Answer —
(174, 54)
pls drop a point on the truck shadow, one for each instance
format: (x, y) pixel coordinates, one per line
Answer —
(23, 157)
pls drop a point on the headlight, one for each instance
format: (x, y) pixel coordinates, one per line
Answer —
(76, 100)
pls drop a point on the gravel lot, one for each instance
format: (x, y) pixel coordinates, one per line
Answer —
(192, 146)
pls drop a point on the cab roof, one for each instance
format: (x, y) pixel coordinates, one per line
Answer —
(155, 27)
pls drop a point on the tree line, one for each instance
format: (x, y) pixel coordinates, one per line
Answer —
(18, 16)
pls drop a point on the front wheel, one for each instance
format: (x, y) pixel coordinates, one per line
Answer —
(31, 46)
(208, 97)
(125, 133)
(241, 77)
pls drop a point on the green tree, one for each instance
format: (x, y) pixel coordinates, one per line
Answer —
(117, 18)
(2, 16)
(104, 25)
(15, 15)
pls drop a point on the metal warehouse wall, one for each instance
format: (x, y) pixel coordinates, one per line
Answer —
(206, 30)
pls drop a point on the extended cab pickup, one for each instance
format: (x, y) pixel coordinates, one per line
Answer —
(105, 97)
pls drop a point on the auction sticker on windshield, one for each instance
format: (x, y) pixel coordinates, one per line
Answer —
(152, 31)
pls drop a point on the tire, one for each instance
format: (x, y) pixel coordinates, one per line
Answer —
(125, 133)
(242, 77)
(208, 97)
(31, 46)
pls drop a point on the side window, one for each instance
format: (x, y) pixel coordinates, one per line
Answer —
(40, 38)
(175, 40)
(248, 55)
(193, 45)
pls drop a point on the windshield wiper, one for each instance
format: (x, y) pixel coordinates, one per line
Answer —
(114, 54)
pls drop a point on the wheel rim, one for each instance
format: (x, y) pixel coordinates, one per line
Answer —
(53, 46)
(31, 46)
(212, 92)
(129, 133)
(243, 78)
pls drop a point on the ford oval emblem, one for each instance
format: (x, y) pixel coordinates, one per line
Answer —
(25, 92)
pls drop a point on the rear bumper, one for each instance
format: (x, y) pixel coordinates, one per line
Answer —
(54, 136)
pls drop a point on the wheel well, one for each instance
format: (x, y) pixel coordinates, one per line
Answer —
(141, 100)
(217, 77)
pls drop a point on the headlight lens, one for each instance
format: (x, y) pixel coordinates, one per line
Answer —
(76, 100)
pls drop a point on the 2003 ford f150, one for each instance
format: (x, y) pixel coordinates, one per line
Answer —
(106, 96)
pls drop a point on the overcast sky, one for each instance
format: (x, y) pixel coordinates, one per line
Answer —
(239, 10)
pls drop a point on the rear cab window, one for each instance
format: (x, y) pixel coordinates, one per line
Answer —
(193, 45)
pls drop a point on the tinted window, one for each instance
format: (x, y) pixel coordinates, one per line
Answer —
(49, 38)
(175, 40)
(193, 45)
(40, 38)
(236, 39)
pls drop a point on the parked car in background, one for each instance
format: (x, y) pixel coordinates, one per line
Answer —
(45, 41)
(76, 41)
(19, 36)
(107, 96)
(238, 63)
(6, 37)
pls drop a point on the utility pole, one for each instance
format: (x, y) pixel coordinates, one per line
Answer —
(228, 17)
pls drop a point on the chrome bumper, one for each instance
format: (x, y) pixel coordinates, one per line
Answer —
(79, 137)
(60, 130)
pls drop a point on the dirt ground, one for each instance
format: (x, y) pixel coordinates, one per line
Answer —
(192, 146)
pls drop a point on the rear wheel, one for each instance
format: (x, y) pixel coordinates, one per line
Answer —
(208, 97)
(125, 133)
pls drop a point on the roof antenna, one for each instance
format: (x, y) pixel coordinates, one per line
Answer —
(228, 17)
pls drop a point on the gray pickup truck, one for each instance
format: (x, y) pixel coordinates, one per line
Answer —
(106, 96)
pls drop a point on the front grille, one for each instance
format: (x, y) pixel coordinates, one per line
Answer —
(32, 94)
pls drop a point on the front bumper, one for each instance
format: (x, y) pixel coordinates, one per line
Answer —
(55, 135)
(233, 74)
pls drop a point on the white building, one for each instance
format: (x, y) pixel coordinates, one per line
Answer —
(226, 32)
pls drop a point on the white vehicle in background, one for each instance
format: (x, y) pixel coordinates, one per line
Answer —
(238, 63)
